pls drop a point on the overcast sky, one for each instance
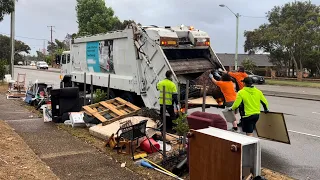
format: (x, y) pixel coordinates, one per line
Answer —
(33, 17)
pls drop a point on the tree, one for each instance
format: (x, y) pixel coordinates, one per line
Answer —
(57, 47)
(292, 32)
(6, 49)
(94, 18)
(6, 7)
(3, 69)
(248, 64)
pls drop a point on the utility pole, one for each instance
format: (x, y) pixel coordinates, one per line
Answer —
(237, 40)
(237, 35)
(12, 39)
(51, 30)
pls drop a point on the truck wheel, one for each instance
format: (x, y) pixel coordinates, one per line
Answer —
(128, 97)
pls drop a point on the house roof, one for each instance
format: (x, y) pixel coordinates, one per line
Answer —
(259, 59)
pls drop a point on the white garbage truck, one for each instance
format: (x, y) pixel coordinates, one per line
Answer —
(137, 58)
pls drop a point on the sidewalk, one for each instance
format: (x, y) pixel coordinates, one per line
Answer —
(17, 160)
(67, 156)
(291, 92)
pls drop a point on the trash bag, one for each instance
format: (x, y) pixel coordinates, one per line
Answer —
(90, 119)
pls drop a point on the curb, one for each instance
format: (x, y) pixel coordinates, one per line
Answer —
(309, 97)
(55, 71)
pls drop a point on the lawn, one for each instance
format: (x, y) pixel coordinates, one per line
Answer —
(293, 83)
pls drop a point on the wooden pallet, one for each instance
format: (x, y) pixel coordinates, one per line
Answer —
(111, 110)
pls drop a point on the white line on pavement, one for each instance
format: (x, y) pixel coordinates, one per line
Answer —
(315, 113)
(312, 135)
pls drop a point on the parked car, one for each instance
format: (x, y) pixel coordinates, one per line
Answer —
(42, 65)
(32, 63)
(20, 63)
(256, 78)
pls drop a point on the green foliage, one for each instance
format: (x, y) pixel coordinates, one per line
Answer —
(290, 36)
(100, 95)
(5, 50)
(249, 65)
(94, 18)
(181, 125)
(48, 59)
(6, 7)
(3, 69)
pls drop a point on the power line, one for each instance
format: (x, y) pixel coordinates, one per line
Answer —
(254, 17)
(25, 37)
(51, 30)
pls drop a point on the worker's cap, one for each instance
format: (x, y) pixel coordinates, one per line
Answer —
(247, 80)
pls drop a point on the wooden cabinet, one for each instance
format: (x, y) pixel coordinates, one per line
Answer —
(217, 154)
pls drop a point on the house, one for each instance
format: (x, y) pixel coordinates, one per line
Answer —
(261, 60)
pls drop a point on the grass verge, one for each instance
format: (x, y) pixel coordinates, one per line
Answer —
(293, 83)
(83, 134)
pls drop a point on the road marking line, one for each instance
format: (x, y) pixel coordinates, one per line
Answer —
(312, 135)
(315, 113)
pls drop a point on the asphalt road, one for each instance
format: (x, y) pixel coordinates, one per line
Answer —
(300, 160)
(33, 74)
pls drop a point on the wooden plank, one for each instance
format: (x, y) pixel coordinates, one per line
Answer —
(127, 103)
(212, 158)
(88, 109)
(112, 108)
(123, 111)
(117, 118)
(209, 101)
(127, 110)
(98, 116)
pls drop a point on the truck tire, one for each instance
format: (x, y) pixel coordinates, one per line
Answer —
(128, 97)
(67, 81)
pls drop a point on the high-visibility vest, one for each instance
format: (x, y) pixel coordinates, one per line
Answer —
(170, 89)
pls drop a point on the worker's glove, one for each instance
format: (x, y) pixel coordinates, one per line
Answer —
(220, 70)
(266, 111)
(210, 76)
(230, 109)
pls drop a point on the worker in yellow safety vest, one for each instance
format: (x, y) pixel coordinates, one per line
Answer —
(171, 97)
(251, 98)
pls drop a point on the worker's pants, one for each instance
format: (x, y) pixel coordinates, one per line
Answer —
(170, 110)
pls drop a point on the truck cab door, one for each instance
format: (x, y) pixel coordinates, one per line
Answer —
(63, 64)
(69, 63)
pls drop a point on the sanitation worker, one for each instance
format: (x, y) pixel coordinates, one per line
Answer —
(250, 97)
(171, 97)
(229, 93)
(239, 76)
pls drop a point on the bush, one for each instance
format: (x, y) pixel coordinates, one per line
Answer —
(181, 124)
(100, 95)
(3, 69)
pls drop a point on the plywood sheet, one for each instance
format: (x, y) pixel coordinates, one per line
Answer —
(199, 101)
(272, 126)
(104, 132)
